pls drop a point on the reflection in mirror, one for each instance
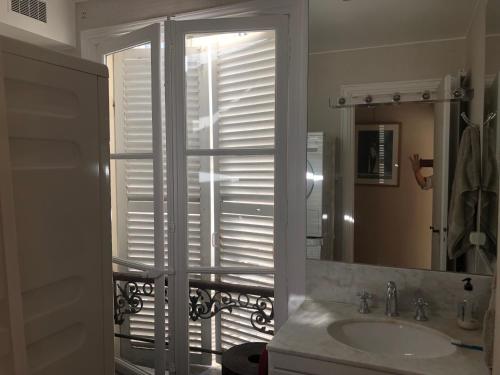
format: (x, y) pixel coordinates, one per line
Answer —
(395, 173)
(381, 196)
(489, 196)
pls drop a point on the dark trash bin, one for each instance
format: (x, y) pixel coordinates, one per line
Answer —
(243, 359)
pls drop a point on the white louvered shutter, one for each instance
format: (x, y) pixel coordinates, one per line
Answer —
(245, 97)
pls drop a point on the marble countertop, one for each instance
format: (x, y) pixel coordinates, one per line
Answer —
(305, 334)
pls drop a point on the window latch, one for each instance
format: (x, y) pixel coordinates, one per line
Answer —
(215, 239)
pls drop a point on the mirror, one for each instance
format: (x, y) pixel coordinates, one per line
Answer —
(395, 132)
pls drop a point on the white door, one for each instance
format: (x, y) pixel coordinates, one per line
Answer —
(137, 182)
(226, 101)
(442, 118)
(53, 185)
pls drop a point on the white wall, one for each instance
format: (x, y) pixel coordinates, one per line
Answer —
(341, 282)
(328, 71)
(58, 33)
(475, 60)
(492, 54)
(105, 13)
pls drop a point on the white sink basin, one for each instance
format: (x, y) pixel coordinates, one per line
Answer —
(394, 338)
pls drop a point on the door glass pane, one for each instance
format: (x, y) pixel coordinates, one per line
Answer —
(130, 96)
(137, 323)
(242, 324)
(132, 213)
(228, 310)
(201, 325)
(231, 211)
(230, 90)
(132, 172)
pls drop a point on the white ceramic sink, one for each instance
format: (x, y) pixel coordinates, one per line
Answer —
(394, 338)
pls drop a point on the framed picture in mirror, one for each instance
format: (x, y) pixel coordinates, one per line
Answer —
(377, 154)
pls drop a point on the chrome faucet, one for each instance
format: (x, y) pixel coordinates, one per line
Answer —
(391, 300)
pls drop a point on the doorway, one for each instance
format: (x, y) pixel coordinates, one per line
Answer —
(392, 223)
(197, 178)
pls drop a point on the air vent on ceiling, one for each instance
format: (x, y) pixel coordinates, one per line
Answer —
(35, 9)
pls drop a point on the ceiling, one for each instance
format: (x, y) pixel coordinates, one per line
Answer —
(340, 24)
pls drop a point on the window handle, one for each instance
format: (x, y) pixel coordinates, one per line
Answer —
(215, 239)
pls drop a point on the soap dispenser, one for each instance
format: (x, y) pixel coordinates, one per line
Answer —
(467, 307)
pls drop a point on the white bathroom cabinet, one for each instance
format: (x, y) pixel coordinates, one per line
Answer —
(290, 364)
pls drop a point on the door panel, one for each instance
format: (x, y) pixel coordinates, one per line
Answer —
(138, 183)
(229, 97)
(442, 116)
(54, 132)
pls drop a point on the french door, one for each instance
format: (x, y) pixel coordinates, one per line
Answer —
(198, 186)
(136, 172)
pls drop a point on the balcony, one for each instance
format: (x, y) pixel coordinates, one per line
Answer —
(207, 299)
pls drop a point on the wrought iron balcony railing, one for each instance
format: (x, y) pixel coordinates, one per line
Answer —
(206, 299)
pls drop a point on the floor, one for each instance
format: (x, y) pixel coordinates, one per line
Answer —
(194, 370)
(201, 370)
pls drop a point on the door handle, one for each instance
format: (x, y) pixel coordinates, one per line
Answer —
(436, 230)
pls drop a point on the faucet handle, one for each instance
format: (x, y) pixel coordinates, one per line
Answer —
(420, 313)
(364, 296)
(420, 301)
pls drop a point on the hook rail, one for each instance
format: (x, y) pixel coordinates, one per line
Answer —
(490, 117)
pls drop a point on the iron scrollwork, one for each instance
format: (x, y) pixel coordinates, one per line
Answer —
(128, 298)
(204, 305)
(206, 299)
(260, 318)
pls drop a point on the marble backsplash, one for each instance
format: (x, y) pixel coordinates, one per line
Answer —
(340, 282)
